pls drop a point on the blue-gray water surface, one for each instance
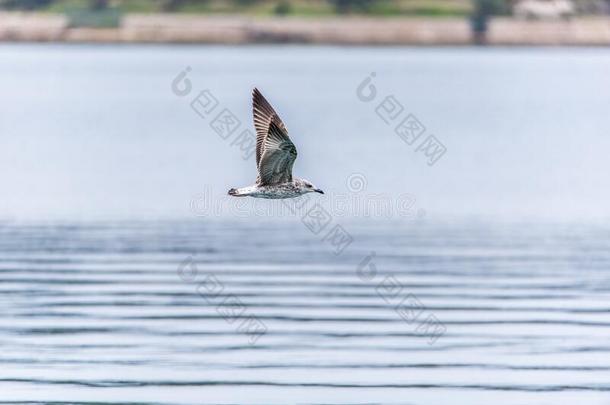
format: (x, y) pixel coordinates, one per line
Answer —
(128, 276)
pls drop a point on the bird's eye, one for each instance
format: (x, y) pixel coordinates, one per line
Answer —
(309, 186)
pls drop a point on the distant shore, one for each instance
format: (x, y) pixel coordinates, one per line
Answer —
(179, 28)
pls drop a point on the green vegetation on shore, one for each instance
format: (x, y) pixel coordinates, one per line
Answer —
(449, 8)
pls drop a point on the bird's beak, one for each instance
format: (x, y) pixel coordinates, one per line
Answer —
(317, 190)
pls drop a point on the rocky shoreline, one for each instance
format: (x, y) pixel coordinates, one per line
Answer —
(172, 28)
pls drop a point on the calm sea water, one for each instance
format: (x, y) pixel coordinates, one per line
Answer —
(127, 276)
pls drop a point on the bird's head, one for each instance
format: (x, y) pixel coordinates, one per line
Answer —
(310, 188)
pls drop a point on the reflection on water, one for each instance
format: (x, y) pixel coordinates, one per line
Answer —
(98, 312)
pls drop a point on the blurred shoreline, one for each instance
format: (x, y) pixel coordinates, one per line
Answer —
(228, 29)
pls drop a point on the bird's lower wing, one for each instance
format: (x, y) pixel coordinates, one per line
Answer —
(277, 159)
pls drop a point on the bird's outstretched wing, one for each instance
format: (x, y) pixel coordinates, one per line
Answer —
(275, 152)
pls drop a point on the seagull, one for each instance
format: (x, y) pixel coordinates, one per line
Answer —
(275, 155)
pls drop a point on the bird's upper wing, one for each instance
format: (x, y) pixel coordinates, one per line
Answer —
(264, 114)
(275, 152)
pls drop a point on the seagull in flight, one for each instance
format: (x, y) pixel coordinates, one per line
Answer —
(275, 155)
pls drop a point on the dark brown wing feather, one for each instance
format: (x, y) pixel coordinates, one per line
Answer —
(264, 115)
(278, 157)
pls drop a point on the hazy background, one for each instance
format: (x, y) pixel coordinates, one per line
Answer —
(96, 132)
